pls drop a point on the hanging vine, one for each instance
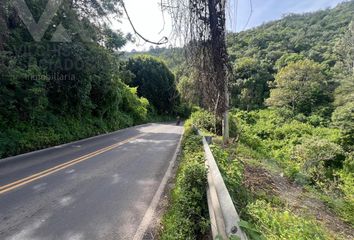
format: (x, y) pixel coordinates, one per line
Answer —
(201, 25)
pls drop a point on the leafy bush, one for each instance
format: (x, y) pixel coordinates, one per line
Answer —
(136, 106)
(203, 119)
(306, 154)
(317, 158)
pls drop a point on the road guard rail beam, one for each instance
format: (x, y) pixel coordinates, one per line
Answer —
(223, 215)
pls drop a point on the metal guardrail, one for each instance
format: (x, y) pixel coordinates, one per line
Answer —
(223, 215)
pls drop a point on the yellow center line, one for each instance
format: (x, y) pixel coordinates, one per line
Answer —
(34, 177)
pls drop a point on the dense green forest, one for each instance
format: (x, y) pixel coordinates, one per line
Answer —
(74, 85)
(289, 167)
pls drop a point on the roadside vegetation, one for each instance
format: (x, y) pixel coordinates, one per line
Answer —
(57, 91)
(289, 164)
(187, 215)
(287, 178)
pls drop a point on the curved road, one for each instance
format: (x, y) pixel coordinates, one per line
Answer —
(97, 188)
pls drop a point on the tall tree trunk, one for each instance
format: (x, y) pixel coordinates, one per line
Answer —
(220, 60)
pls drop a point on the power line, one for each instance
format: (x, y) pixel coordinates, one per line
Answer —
(163, 17)
(249, 17)
(236, 13)
(163, 40)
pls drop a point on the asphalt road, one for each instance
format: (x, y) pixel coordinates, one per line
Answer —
(98, 188)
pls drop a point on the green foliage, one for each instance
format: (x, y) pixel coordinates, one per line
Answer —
(49, 88)
(187, 89)
(154, 82)
(345, 206)
(308, 155)
(187, 215)
(173, 57)
(301, 86)
(288, 58)
(344, 92)
(251, 230)
(250, 86)
(343, 118)
(53, 92)
(21, 96)
(203, 119)
(275, 223)
(345, 52)
(232, 172)
(317, 158)
(137, 107)
(272, 134)
(310, 34)
(322, 37)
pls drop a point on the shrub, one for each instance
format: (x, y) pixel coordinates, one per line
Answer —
(317, 158)
(203, 119)
(136, 106)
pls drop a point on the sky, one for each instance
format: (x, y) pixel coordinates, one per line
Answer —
(149, 21)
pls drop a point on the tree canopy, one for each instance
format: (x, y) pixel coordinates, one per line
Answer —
(302, 86)
(154, 82)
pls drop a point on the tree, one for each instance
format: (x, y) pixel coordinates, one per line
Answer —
(301, 86)
(250, 85)
(202, 26)
(288, 58)
(345, 52)
(154, 82)
(343, 118)
(345, 68)
(344, 93)
(22, 92)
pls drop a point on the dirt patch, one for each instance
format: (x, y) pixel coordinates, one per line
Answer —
(258, 179)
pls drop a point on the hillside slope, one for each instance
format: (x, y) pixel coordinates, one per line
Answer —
(311, 34)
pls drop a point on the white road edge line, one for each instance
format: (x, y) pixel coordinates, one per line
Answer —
(155, 201)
